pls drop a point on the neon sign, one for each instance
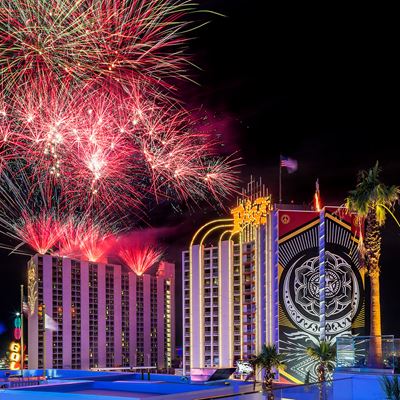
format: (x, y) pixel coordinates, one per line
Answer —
(15, 346)
(251, 213)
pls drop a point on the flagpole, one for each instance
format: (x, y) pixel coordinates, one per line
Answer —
(44, 341)
(22, 330)
(280, 180)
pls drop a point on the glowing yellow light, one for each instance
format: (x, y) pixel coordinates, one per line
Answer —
(251, 213)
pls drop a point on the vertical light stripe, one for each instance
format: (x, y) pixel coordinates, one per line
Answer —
(48, 301)
(67, 315)
(85, 363)
(117, 315)
(322, 279)
(101, 281)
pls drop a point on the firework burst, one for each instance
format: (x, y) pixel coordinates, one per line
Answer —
(139, 256)
(107, 149)
(41, 233)
(80, 39)
(95, 243)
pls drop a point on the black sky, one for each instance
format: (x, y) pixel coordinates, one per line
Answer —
(318, 85)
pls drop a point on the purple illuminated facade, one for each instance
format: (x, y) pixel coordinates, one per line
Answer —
(107, 316)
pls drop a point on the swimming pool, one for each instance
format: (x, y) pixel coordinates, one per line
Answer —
(121, 386)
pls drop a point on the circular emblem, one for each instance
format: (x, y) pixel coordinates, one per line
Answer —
(285, 219)
(301, 293)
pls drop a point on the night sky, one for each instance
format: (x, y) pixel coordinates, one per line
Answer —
(317, 85)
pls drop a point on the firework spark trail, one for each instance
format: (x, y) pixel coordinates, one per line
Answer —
(110, 148)
(83, 39)
(28, 215)
(95, 243)
(139, 256)
(40, 233)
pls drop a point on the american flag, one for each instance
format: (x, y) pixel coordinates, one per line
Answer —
(289, 163)
(25, 306)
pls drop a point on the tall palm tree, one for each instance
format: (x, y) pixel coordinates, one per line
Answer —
(268, 360)
(372, 200)
(325, 353)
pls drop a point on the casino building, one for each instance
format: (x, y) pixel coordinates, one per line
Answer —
(106, 316)
(270, 274)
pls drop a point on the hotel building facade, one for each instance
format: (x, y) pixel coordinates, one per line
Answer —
(270, 275)
(106, 315)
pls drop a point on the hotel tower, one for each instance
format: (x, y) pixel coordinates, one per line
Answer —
(106, 315)
(270, 274)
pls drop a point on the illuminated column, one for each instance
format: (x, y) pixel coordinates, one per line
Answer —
(241, 294)
(101, 268)
(146, 320)
(274, 237)
(225, 303)
(117, 316)
(261, 299)
(48, 301)
(132, 320)
(185, 339)
(85, 363)
(321, 236)
(196, 310)
(67, 316)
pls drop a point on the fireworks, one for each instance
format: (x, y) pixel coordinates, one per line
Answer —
(82, 39)
(89, 125)
(139, 257)
(40, 233)
(113, 150)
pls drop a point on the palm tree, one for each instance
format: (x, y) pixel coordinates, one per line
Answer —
(325, 353)
(371, 200)
(267, 360)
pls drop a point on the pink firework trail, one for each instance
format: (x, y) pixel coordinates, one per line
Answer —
(95, 244)
(40, 233)
(110, 150)
(140, 257)
(86, 39)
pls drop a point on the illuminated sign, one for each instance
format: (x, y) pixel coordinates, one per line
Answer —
(15, 346)
(15, 355)
(251, 213)
(32, 287)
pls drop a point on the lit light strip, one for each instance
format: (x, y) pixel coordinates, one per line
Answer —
(201, 291)
(241, 293)
(191, 282)
(256, 235)
(220, 330)
(322, 322)
(269, 294)
(231, 302)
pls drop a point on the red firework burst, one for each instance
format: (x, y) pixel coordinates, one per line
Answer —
(41, 233)
(139, 256)
(95, 243)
